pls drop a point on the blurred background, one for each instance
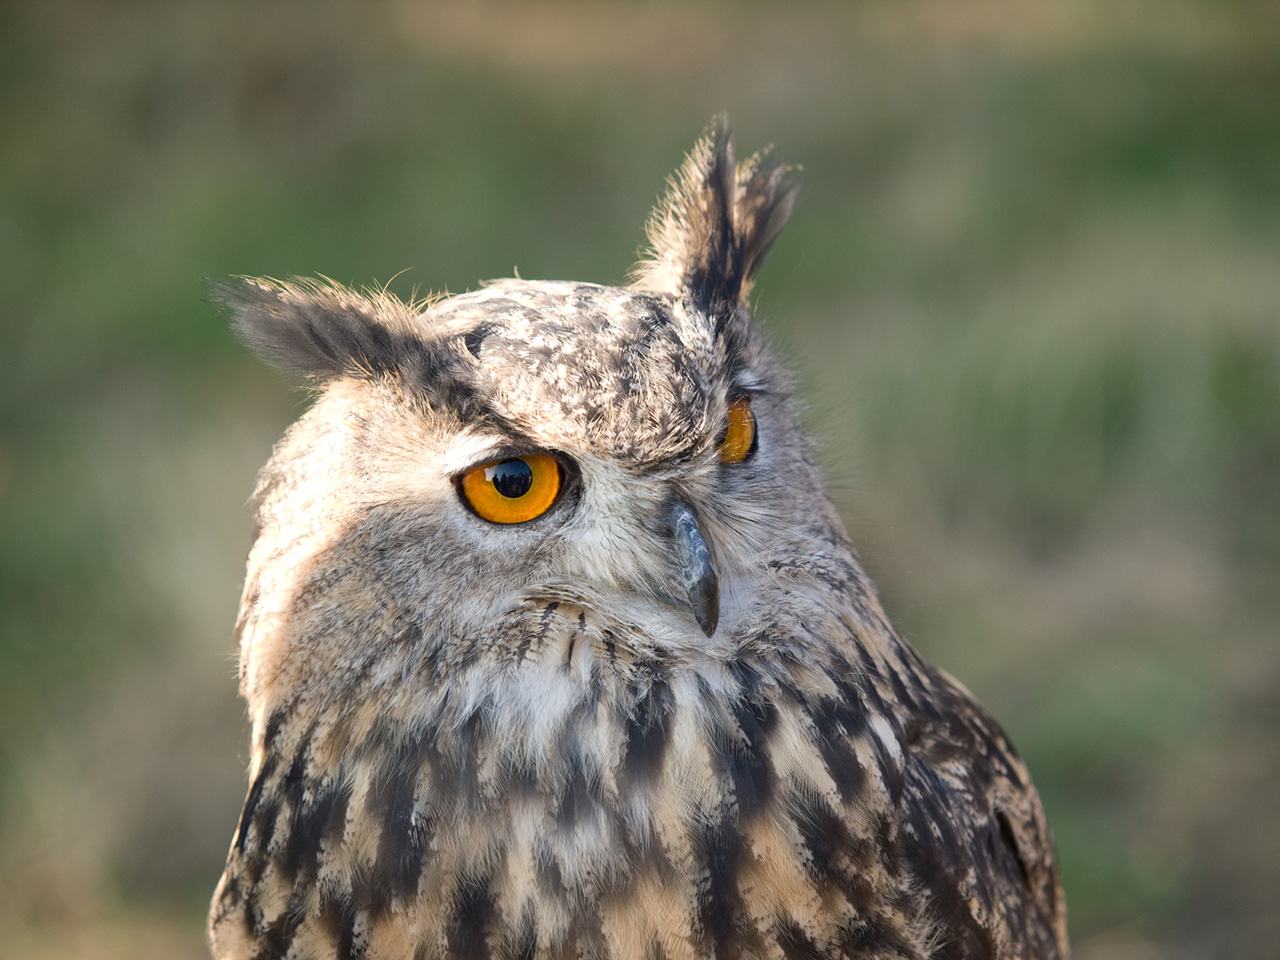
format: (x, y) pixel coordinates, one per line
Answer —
(1031, 296)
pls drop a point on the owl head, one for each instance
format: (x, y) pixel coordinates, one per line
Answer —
(537, 471)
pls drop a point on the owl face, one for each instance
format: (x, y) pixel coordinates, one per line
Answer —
(626, 458)
(618, 430)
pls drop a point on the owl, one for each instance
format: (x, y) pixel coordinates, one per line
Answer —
(555, 649)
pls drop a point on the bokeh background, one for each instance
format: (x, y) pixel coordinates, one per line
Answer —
(1031, 296)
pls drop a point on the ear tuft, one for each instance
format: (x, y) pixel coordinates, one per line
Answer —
(316, 328)
(709, 235)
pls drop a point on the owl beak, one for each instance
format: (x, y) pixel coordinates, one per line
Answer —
(694, 570)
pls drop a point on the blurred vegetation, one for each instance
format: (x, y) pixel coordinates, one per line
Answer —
(1032, 297)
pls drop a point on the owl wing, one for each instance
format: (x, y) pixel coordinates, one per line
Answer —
(973, 835)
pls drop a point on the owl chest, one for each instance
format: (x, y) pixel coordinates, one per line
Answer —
(744, 840)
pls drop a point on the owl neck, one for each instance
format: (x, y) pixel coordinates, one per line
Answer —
(552, 768)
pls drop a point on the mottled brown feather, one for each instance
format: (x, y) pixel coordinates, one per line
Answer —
(515, 744)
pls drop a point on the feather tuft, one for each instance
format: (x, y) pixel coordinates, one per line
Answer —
(709, 235)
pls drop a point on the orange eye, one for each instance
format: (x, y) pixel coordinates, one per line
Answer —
(514, 490)
(739, 433)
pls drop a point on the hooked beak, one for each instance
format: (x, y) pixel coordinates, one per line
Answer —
(694, 571)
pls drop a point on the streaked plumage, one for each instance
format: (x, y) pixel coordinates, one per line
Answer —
(473, 740)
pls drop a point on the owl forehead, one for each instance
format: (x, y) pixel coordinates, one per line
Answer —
(605, 370)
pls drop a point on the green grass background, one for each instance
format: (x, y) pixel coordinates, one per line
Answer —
(1031, 296)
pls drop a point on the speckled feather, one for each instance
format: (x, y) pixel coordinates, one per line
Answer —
(473, 741)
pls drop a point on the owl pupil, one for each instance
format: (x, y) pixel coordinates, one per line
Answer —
(511, 478)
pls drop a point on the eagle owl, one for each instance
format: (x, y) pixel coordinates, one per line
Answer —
(554, 647)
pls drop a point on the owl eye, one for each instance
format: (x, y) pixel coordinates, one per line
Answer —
(513, 490)
(739, 440)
